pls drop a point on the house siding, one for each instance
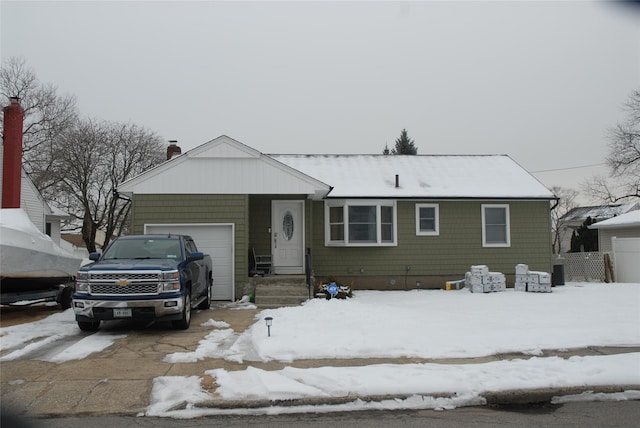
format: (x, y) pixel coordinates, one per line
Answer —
(434, 259)
(171, 208)
(605, 235)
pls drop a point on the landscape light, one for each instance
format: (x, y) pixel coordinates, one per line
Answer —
(269, 321)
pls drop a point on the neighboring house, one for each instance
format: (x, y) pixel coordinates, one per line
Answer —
(622, 226)
(573, 219)
(620, 236)
(372, 221)
(41, 214)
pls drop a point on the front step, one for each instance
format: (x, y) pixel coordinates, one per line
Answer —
(280, 290)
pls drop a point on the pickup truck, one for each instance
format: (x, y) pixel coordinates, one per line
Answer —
(144, 277)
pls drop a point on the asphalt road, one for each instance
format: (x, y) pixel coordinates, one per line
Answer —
(596, 414)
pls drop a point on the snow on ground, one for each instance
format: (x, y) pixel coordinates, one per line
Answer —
(457, 384)
(440, 324)
(425, 324)
(24, 339)
(416, 324)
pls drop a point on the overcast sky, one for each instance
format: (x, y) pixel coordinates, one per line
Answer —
(539, 81)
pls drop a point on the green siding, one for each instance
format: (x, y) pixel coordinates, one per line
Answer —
(451, 253)
(430, 258)
(171, 208)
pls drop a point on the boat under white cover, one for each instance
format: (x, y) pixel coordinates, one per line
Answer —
(26, 253)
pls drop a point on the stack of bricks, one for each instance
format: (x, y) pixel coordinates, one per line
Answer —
(532, 281)
(480, 280)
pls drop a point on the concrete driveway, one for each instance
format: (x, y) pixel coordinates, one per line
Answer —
(119, 379)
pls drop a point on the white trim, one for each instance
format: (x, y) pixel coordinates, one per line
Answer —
(345, 203)
(507, 226)
(436, 230)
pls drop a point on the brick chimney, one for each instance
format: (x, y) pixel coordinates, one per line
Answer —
(173, 149)
(12, 154)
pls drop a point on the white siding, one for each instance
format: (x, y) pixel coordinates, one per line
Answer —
(32, 203)
(626, 253)
(605, 236)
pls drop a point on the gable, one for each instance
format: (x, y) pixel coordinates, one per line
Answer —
(223, 166)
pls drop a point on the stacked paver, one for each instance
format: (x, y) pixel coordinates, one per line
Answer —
(480, 280)
(532, 281)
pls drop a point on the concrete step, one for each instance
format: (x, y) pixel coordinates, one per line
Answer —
(277, 291)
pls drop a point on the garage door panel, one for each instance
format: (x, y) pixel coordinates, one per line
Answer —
(215, 240)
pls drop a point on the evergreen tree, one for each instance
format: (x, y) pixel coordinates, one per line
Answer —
(404, 145)
(583, 238)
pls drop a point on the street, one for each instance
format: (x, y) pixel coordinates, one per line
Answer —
(600, 414)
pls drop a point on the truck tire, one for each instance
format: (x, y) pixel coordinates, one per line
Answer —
(206, 303)
(66, 297)
(183, 323)
(89, 325)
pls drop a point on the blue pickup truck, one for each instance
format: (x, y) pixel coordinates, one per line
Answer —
(144, 277)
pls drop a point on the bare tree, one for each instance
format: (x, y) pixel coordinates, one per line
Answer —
(566, 202)
(623, 159)
(46, 115)
(91, 159)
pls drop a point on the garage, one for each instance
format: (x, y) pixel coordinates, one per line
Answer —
(215, 240)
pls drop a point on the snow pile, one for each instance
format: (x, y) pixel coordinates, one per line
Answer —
(23, 339)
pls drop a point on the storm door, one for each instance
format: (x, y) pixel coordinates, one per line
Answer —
(287, 236)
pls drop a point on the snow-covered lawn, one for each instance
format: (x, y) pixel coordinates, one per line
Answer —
(415, 324)
(420, 324)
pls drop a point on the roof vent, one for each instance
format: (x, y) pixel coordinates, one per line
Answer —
(397, 181)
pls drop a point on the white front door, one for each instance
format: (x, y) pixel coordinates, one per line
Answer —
(287, 236)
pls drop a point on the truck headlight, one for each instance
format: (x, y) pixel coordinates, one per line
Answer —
(82, 287)
(171, 275)
(82, 282)
(170, 280)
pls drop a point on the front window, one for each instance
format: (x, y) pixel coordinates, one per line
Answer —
(427, 221)
(495, 226)
(360, 223)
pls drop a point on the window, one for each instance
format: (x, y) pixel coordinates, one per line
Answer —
(495, 226)
(427, 220)
(360, 223)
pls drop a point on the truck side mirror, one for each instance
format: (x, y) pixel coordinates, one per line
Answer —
(94, 256)
(197, 255)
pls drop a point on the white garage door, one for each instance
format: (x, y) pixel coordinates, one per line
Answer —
(215, 240)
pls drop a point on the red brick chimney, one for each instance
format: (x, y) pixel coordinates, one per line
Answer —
(12, 154)
(173, 149)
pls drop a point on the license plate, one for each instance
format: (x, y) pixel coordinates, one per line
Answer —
(122, 313)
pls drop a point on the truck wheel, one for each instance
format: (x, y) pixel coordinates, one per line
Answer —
(89, 325)
(183, 323)
(66, 297)
(206, 304)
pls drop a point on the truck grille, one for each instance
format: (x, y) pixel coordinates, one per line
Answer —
(124, 283)
(131, 276)
(122, 290)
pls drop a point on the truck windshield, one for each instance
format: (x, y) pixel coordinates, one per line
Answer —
(157, 248)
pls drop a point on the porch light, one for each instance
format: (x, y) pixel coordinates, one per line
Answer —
(268, 321)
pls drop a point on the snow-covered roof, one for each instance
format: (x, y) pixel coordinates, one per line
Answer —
(420, 176)
(630, 219)
(598, 212)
